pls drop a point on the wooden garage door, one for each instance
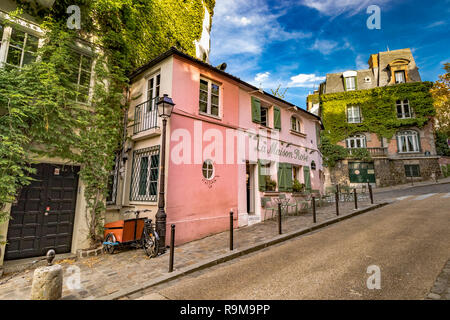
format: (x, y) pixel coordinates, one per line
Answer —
(32, 229)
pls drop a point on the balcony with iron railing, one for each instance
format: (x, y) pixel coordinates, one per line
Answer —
(146, 120)
(374, 152)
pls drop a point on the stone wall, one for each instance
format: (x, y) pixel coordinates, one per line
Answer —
(388, 172)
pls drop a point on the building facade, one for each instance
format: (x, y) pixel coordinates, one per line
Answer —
(227, 143)
(382, 116)
(50, 213)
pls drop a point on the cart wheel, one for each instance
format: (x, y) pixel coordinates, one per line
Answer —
(150, 245)
(107, 247)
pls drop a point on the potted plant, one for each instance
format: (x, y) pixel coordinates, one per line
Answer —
(271, 185)
(298, 187)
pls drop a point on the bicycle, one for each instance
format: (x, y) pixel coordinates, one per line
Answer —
(138, 233)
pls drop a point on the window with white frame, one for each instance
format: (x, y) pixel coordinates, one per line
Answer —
(356, 142)
(209, 97)
(21, 47)
(354, 114)
(296, 124)
(81, 75)
(403, 109)
(400, 76)
(350, 83)
(408, 141)
(153, 90)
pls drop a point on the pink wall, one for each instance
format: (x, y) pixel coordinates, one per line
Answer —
(197, 206)
(308, 124)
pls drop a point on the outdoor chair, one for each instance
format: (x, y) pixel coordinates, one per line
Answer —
(286, 204)
(364, 195)
(330, 194)
(345, 194)
(266, 204)
(301, 205)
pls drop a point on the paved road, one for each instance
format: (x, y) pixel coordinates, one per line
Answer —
(409, 240)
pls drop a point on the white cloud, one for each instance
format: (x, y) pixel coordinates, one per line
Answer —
(337, 7)
(436, 24)
(324, 46)
(328, 46)
(247, 27)
(305, 80)
(262, 76)
(360, 62)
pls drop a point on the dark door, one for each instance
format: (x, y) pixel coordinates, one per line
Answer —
(361, 172)
(33, 230)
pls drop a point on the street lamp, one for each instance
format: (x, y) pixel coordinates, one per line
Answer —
(165, 107)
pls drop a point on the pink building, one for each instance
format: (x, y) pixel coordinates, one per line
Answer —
(230, 146)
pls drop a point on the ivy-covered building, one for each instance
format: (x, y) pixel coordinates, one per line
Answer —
(51, 211)
(378, 123)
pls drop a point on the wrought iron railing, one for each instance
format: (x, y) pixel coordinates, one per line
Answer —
(377, 152)
(145, 116)
(374, 152)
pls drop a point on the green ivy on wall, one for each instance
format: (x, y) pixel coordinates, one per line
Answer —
(378, 110)
(38, 117)
(379, 113)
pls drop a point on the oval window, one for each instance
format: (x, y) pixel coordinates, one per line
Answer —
(313, 165)
(208, 169)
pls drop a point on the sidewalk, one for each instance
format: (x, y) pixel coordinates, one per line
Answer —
(108, 274)
(409, 185)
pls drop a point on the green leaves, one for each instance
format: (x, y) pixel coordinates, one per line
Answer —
(378, 108)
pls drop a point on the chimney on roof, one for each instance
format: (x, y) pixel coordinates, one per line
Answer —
(373, 61)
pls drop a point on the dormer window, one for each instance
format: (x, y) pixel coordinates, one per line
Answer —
(350, 80)
(400, 76)
(399, 71)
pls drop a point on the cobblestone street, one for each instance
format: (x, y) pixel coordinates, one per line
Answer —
(441, 288)
(106, 274)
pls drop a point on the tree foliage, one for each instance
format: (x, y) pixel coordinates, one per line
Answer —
(441, 96)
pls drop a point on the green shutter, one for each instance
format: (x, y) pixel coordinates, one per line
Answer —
(261, 178)
(277, 118)
(256, 110)
(356, 83)
(288, 175)
(307, 177)
(281, 177)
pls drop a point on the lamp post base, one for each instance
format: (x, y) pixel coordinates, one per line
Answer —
(161, 229)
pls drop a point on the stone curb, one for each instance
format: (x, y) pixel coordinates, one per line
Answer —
(375, 191)
(232, 255)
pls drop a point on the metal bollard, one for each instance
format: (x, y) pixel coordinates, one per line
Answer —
(172, 248)
(279, 218)
(314, 209)
(356, 198)
(371, 194)
(231, 230)
(337, 203)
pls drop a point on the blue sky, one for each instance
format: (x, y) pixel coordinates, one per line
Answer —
(295, 43)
